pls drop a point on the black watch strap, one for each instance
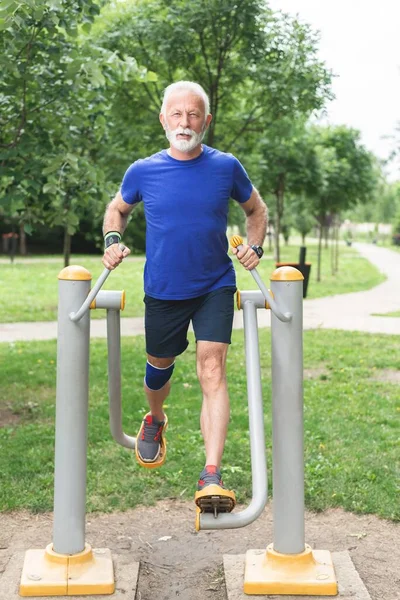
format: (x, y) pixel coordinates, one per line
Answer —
(258, 250)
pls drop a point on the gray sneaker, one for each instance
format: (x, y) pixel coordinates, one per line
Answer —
(150, 442)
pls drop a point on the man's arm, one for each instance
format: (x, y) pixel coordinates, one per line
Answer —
(256, 225)
(115, 219)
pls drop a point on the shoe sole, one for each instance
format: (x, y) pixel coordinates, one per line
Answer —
(160, 460)
(215, 499)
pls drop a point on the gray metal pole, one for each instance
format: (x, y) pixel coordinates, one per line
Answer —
(71, 413)
(114, 379)
(256, 429)
(287, 414)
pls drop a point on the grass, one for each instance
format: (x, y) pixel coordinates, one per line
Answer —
(32, 288)
(391, 314)
(352, 426)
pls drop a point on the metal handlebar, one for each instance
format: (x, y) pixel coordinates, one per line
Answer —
(237, 242)
(93, 293)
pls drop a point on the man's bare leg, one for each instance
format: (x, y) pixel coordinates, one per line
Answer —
(211, 495)
(211, 371)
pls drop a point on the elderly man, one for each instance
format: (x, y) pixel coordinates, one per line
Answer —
(188, 275)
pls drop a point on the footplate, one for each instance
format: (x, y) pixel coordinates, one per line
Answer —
(214, 499)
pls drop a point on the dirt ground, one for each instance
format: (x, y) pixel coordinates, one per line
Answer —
(176, 562)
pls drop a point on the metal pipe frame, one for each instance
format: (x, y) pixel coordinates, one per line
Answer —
(114, 379)
(77, 316)
(284, 317)
(256, 429)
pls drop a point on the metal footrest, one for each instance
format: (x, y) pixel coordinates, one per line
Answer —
(214, 499)
(216, 504)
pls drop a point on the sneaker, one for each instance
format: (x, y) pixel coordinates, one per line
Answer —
(212, 495)
(151, 446)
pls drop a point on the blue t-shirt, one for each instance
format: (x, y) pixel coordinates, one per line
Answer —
(186, 210)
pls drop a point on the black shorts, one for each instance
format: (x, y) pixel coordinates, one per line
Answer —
(167, 321)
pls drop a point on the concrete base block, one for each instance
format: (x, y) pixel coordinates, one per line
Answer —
(126, 577)
(350, 585)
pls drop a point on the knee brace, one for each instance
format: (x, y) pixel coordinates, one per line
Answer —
(157, 377)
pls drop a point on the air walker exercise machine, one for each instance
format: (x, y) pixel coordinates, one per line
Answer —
(288, 565)
(69, 566)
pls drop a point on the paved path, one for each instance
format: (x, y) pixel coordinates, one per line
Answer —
(352, 312)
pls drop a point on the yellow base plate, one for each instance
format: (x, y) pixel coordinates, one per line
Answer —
(310, 573)
(163, 449)
(46, 573)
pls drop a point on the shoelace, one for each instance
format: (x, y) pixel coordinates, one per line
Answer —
(208, 477)
(151, 431)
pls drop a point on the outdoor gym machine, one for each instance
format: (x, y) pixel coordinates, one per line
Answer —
(288, 565)
(69, 566)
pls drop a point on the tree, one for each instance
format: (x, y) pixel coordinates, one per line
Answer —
(289, 165)
(35, 49)
(302, 218)
(259, 68)
(382, 206)
(346, 176)
(55, 91)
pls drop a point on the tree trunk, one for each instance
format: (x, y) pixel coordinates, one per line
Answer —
(277, 226)
(303, 239)
(337, 247)
(333, 250)
(210, 134)
(22, 240)
(67, 247)
(213, 94)
(326, 232)
(319, 251)
(279, 195)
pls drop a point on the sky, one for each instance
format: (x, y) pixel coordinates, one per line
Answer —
(360, 43)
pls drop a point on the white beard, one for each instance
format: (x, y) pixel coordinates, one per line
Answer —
(184, 145)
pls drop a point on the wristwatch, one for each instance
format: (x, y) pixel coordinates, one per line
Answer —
(258, 250)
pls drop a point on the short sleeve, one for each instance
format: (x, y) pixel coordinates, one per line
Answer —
(241, 185)
(130, 187)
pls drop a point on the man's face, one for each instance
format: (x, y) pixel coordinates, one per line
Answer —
(185, 122)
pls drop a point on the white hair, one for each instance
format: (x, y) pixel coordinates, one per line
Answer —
(187, 86)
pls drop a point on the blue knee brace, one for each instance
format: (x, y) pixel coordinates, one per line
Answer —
(157, 377)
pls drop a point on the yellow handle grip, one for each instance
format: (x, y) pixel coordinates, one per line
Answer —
(236, 241)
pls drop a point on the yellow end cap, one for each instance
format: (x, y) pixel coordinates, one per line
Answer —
(93, 304)
(123, 298)
(238, 299)
(74, 273)
(286, 274)
(236, 241)
(55, 557)
(80, 557)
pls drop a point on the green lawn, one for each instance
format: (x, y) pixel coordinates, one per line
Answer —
(32, 288)
(352, 426)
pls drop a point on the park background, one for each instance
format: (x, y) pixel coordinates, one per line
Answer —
(81, 90)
